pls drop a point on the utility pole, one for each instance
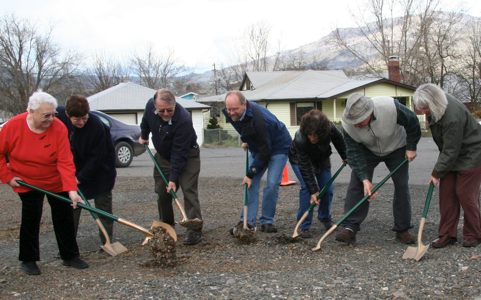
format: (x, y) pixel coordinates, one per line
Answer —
(215, 80)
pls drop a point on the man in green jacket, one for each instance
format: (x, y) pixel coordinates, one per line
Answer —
(458, 168)
(378, 129)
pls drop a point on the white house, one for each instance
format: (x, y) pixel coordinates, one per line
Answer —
(126, 102)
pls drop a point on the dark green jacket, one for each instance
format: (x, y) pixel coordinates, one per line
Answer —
(458, 137)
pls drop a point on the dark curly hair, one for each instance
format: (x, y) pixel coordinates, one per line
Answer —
(315, 122)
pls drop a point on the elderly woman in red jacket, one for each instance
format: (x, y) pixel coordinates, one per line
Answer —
(39, 153)
(458, 167)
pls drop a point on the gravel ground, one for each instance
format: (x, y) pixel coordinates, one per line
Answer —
(221, 268)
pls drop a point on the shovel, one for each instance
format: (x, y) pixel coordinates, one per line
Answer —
(418, 252)
(148, 235)
(112, 249)
(194, 224)
(361, 202)
(319, 196)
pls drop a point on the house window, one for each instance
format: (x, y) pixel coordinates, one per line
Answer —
(402, 100)
(300, 108)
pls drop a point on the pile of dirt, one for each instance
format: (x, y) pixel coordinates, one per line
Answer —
(162, 247)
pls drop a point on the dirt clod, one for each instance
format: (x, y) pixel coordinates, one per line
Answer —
(162, 247)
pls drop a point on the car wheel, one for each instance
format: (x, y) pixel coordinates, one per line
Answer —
(123, 154)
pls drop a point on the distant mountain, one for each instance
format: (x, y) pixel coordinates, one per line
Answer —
(322, 54)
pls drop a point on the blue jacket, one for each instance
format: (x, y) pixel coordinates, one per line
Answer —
(264, 133)
(173, 140)
(93, 154)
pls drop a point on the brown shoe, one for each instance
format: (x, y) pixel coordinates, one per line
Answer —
(443, 242)
(405, 237)
(346, 235)
(472, 243)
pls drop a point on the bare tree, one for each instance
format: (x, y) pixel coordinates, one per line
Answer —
(156, 71)
(30, 60)
(257, 46)
(105, 73)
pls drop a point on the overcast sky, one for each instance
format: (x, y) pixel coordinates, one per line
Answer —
(199, 32)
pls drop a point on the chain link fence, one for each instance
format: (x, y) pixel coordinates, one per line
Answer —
(221, 137)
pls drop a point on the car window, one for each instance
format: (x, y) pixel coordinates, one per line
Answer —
(104, 120)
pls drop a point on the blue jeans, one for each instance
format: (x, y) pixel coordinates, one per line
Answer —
(324, 210)
(271, 191)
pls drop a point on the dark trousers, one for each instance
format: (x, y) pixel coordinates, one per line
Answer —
(188, 182)
(456, 190)
(103, 202)
(62, 219)
(402, 200)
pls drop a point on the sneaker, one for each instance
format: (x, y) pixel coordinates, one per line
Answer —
(443, 242)
(269, 228)
(327, 224)
(405, 237)
(306, 234)
(469, 244)
(76, 263)
(30, 268)
(346, 235)
(193, 237)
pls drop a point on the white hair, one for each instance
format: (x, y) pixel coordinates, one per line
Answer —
(40, 97)
(433, 97)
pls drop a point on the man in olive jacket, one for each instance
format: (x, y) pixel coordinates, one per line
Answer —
(378, 129)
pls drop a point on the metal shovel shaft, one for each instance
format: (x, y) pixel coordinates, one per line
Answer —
(361, 202)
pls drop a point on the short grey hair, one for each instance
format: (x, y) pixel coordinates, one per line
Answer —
(165, 95)
(239, 95)
(431, 96)
(39, 97)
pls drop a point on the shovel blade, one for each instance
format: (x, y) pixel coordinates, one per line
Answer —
(192, 224)
(114, 249)
(168, 228)
(410, 253)
(422, 249)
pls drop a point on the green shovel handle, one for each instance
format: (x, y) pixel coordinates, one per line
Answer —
(327, 185)
(84, 206)
(428, 200)
(94, 215)
(372, 192)
(164, 179)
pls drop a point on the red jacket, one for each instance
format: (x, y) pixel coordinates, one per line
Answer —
(43, 160)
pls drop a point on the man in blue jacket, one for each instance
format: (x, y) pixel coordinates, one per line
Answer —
(178, 155)
(94, 157)
(268, 141)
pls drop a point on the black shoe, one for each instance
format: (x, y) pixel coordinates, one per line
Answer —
(443, 242)
(472, 243)
(30, 268)
(193, 238)
(234, 229)
(405, 237)
(327, 224)
(76, 263)
(269, 228)
(306, 234)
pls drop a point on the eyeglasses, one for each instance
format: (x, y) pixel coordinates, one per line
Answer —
(49, 115)
(164, 110)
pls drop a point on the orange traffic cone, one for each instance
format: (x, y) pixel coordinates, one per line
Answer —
(285, 178)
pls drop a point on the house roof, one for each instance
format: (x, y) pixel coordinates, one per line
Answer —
(308, 84)
(131, 96)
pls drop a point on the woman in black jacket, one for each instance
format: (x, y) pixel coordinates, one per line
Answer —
(309, 157)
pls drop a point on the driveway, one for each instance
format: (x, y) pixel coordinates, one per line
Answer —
(229, 162)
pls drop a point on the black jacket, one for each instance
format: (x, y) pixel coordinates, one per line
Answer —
(93, 154)
(313, 158)
(173, 140)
